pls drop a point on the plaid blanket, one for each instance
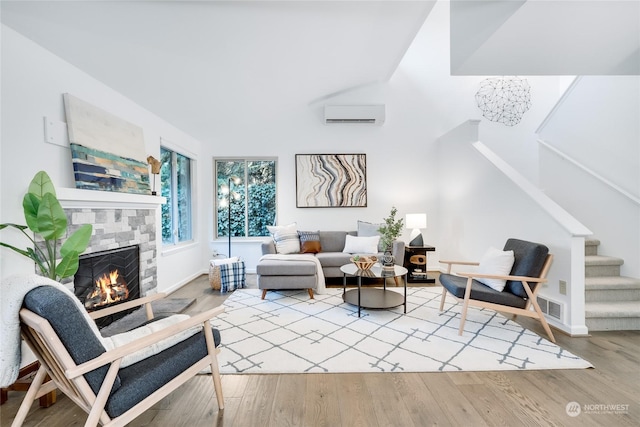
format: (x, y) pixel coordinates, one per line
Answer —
(232, 276)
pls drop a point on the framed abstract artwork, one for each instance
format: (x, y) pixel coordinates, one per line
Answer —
(331, 180)
(107, 152)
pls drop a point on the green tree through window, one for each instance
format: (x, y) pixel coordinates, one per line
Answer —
(250, 204)
(175, 179)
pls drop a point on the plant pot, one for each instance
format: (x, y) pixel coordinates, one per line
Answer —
(387, 259)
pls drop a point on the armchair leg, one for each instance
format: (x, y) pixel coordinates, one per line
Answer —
(217, 384)
(444, 296)
(465, 306)
(29, 398)
(547, 329)
(463, 316)
(215, 369)
(543, 321)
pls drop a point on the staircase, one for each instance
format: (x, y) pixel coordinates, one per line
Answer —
(612, 302)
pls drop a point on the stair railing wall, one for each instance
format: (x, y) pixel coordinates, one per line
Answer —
(589, 161)
(594, 174)
(612, 213)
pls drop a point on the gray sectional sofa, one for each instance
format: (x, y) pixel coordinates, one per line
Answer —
(283, 274)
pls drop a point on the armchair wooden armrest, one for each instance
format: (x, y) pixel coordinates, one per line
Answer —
(119, 352)
(499, 276)
(127, 305)
(523, 279)
(452, 263)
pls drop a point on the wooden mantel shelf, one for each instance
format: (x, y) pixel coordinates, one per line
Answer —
(78, 198)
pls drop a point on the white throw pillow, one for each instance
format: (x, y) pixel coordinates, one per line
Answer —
(286, 238)
(495, 261)
(367, 229)
(140, 332)
(361, 245)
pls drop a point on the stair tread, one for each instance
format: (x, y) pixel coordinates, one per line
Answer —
(592, 242)
(612, 309)
(611, 282)
(592, 260)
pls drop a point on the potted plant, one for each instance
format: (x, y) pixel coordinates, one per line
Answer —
(46, 218)
(390, 231)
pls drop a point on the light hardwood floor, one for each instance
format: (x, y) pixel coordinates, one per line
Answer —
(507, 398)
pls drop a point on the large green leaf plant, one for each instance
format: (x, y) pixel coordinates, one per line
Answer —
(45, 217)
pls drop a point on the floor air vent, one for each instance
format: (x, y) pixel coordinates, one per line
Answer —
(551, 308)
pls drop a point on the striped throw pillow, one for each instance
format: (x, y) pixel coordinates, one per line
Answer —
(285, 238)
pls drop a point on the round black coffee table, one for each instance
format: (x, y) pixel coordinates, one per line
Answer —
(374, 297)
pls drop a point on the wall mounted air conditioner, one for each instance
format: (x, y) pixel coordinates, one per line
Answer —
(373, 114)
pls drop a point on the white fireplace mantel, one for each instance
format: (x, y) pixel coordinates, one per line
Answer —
(74, 198)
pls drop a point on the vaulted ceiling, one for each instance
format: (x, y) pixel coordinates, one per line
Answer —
(192, 61)
(186, 60)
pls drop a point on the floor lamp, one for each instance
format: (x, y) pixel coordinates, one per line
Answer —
(231, 195)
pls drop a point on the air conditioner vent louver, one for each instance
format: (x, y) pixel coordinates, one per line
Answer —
(367, 114)
(350, 120)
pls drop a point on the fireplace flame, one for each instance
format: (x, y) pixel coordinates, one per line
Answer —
(108, 290)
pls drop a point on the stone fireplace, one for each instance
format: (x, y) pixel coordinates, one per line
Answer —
(108, 278)
(119, 220)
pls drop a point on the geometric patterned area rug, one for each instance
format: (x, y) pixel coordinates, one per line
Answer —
(289, 333)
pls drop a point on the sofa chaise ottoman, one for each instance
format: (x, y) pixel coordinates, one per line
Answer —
(286, 274)
(292, 273)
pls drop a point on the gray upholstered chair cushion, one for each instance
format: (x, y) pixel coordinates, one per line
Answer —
(456, 285)
(145, 377)
(529, 260)
(71, 327)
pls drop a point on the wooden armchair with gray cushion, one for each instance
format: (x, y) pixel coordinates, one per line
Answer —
(531, 263)
(73, 354)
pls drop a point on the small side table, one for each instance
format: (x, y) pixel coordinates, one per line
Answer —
(373, 297)
(415, 260)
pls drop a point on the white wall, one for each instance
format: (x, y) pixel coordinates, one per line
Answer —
(33, 81)
(598, 125)
(422, 102)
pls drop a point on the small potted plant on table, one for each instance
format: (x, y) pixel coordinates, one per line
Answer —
(389, 232)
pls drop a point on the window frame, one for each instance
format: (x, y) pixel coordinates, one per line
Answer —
(244, 178)
(175, 151)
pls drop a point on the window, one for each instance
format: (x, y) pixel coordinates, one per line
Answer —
(175, 184)
(246, 196)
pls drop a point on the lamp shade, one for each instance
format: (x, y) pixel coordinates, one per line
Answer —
(417, 220)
